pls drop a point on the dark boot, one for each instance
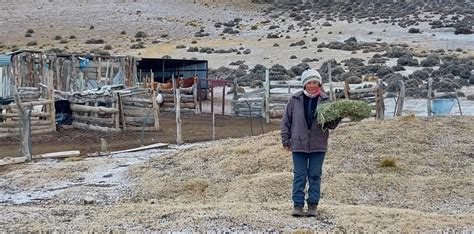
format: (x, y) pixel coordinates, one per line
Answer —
(312, 210)
(298, 211)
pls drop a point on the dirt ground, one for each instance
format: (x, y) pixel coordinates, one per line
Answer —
(195, 128)
(244, 184)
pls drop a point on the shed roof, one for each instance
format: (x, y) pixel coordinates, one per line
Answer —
(5, 60)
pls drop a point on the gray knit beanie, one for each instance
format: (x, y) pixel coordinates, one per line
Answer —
(309, 75)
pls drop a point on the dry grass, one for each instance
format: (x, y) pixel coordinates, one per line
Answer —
(245, 184)
(431, 176)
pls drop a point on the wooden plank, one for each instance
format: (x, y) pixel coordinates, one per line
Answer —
(146, 129)
(10, 161)
(63, 154)
(140, 120)
(183, 105)
(100, 110)
(284, 86)
(366, 90)
(185, 91)
(80, 125)
(33, 132)
(18, 129)
(148, 147)
(93, 120)
(136, 100)
(33, 114)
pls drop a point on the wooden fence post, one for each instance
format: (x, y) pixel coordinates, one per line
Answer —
(267, 95)
(430, 90)
(379, 102)
(223, 99)
(52, 109)
(25, 134)
(178, 116)
(401, 97)
(156, 110)
(331, 87)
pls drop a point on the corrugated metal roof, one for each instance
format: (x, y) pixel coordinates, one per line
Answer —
(5, 60)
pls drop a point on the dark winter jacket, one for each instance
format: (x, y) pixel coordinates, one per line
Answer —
(294, 128)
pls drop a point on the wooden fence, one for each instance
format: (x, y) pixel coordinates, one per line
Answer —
(72, 72)
(270, 103)
(39, 105)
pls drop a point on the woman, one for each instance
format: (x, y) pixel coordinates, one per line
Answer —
(307, 140)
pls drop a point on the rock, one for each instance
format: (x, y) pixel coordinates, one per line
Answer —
(180, 47)
(470, 97)
(247, 51)
(276, 45)
(107, 176)
(293, 57)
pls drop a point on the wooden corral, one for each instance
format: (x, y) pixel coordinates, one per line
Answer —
(37, 103)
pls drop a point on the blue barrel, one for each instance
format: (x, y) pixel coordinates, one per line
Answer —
(442, 106)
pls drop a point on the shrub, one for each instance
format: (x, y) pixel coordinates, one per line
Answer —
(388, 161)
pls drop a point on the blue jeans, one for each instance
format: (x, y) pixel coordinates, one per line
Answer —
(307, 165)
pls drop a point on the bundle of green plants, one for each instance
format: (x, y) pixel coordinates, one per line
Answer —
(355, 110)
